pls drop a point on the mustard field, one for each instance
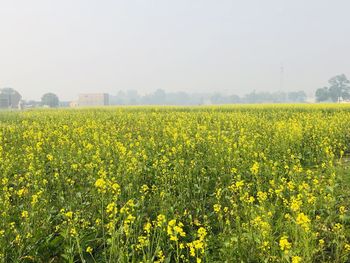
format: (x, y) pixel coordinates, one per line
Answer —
(176, 184)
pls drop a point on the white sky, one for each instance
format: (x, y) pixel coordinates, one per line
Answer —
(73, 46)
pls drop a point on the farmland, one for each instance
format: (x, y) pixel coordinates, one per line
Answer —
(176, 184)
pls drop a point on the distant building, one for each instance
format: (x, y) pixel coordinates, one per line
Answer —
(73, 104)
(9, 98)
(93, 99)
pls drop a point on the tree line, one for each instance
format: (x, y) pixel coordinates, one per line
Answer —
(12, 98)
(338, 90)
(161, 97)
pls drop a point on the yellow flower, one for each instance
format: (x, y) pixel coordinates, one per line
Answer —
(73, 232)
(174, 230)
(160, 220)
(255, 168)
(217, 208)
(202, 232)
(160, 257)
(337, 227)
(89, 250)
(49, 157)
(18, 238)
(321, 242)
(265, 246)
(311, 199)
(295, 204)
(111, 209)
(144, 188)
(143, 241)
(287, 216)
(21, 192)
(100, 184)
(116, 188)
(198, 244)
(347, 247)
(192, 250)
(25, 214)
(251, 199)
(147, 227)
(285, 245)
(296, 259)
(34, 199)
(262, 196)
(69, 214)
(239, 184)
(178, 229)
(303, 221)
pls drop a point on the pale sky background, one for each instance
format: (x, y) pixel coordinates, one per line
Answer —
(74, 46)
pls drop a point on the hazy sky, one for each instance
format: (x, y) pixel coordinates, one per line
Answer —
(73, 46)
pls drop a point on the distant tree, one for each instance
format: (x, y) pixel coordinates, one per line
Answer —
(251, 97)
(276, 97)
(339, 89)
(322, 94)
(234, 99)
(119, 99)
(9, 98)
(297, 96)
(178, 98)
(132, 97)
(50, 99)
(265, 97)
(217, 98)
(159, 96)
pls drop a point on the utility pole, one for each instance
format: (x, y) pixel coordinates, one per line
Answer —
(281, 77)
(282, 83)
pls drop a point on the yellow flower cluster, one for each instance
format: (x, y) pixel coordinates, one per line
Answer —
(175, 230)
(303, 221)
(197, 247)
(285, 245)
